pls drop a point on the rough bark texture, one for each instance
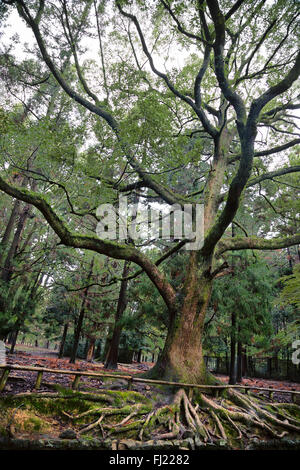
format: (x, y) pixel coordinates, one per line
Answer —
(111, 361)
(182, 356)
(78, 328)
(63, 340)
(91, 350)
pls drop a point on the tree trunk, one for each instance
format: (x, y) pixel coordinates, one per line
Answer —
(226, 357)
(13, 341)
(290, 259)
(239, 362)
(98, 349)
(245, 363)
(233, 364)
(111, 361)
(233, 368)
(9, 228)
(139, 356)
(9, 337)
(63, 340)
(7, 266)
(91, 350)
(77, 331)
(182, 357)
(107, 342)
(80, 319)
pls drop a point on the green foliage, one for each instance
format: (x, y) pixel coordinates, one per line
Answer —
(248, 293)
(290, 293)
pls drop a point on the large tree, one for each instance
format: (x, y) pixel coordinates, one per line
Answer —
(241, 65)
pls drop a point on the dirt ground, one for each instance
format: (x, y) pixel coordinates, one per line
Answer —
(21, 381)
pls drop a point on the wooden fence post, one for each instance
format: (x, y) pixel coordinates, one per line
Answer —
(4, 378)
(130, 383)
(75, 383)
(294, 397)
(38, 380)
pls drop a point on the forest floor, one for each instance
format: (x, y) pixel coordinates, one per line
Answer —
(41, 357)
(22, 381)
(147, 415)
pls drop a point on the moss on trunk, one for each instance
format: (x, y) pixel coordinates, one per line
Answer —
(182, 357)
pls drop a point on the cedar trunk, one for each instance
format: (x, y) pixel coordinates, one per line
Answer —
(182, 357)
(91, 350)
(63, 340)
(111, 361)
(78, 328)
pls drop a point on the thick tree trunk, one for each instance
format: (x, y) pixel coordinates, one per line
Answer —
(182, 357)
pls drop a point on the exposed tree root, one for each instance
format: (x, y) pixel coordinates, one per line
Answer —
(260, 412)
(227, 420)
(219, 425)
(104, 412)
(287, 406)
(231, 420)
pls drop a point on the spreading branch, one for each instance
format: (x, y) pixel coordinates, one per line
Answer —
(256, 243)
(91, 242)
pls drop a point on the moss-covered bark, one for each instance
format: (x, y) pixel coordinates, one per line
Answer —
(182, 357)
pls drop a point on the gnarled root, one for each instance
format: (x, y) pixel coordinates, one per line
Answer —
(260, 412)
(212, 420)
(185, 411)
